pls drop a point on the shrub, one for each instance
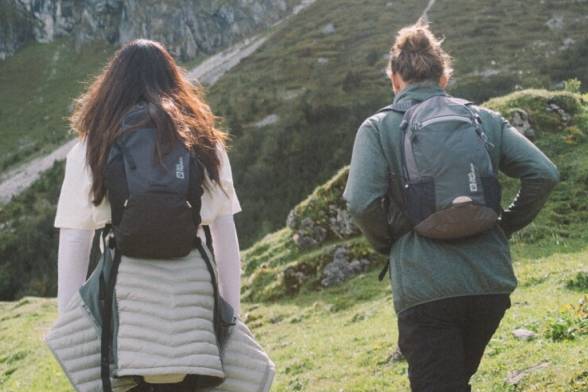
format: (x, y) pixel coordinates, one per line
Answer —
(573, 85)
(579, 282)
(569, 324)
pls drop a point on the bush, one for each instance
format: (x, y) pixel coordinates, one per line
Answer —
(573, 86)
(569, 324)
(579, 282)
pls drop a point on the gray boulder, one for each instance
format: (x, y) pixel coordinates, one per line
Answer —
(520, 120)
(342, 268)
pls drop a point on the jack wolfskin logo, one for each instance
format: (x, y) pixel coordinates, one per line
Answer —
(180, 169)
(472, 178)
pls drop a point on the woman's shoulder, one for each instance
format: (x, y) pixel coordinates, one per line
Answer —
(78, 150)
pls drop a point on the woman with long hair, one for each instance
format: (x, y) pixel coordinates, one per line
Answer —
(166, 310)
(423, 189)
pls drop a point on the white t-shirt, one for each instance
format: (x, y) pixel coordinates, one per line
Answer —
(75, 209)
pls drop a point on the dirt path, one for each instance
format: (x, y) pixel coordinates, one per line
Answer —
(208, 73)
(425, 14)
(19, 179)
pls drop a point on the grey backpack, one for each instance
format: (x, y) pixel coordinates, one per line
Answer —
(449, 184)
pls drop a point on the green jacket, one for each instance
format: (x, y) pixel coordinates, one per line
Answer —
(421, 269)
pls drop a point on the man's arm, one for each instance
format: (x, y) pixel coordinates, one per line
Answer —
(366, 187)
(538, 175)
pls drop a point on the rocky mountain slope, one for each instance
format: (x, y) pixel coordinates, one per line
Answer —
(199, 27)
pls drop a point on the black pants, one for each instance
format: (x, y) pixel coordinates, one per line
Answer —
(443, 341)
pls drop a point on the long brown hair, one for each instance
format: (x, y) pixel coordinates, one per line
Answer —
(144, 71)
(417, 55)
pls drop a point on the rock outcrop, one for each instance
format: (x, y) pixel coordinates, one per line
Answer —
(323, 215)
(188, 28)
(343, 267)
(520, 120)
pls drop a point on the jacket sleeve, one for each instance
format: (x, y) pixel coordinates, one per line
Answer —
(228, 259)
(73, 259)
(538, 175)
(366, 188)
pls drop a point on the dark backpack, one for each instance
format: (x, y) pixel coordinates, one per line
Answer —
(155, 200)
(449, 187)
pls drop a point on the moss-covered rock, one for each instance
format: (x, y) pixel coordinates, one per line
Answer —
(313, 252)
(281, 274)
(323, 216)
(548, 111)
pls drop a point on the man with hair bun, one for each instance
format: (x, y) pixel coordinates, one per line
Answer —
(423, 189)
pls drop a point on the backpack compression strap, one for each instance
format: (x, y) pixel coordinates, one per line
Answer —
(106, 293)
(208, 236)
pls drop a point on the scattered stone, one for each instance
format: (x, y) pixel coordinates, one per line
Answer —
(297, 319)
(313, 237)
(524, 334)
(516, 376)
(488, 72)
(268, 120)
(555, 23)
(341, 223)
(295, 276)
(565, 117)
(567, 43)
(276, 319)
(329, 28)
(291, 94)
(291, 220)
(342, 268)
(308, 234)
(520, 120)
(395, 357)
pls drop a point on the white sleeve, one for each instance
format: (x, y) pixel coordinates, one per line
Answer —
(220, 200)
(228, 260)
(75, 209)
(72, 263)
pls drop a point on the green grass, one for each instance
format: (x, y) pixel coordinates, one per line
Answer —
(339, 339)
(38, 85)
(26, 364)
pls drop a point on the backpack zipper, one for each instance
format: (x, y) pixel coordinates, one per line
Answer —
(445, 119)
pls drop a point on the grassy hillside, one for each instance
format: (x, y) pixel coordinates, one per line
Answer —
(341, 339)
(276, 266)
(37, 86)
(28, 240)
(323, 74)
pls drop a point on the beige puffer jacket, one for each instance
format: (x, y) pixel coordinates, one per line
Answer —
(165, 328)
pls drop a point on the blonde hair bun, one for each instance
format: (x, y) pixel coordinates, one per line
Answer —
(417, 55)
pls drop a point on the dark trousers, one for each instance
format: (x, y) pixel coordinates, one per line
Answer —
(443, 341)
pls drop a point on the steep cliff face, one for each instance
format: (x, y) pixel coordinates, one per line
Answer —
(188, 28)
(16, 27)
